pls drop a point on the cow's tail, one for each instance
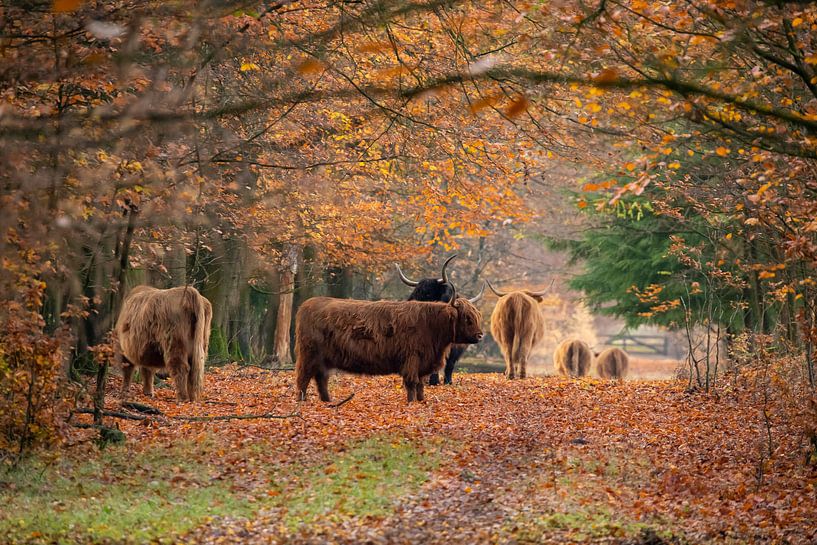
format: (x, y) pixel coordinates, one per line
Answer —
(518, 347)
(201, 315)
(575, 359)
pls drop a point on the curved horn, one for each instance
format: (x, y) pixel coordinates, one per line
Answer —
(453, 300)
(541, 293)
(405, 280)
(478, 296)
(445, 276)
(497, 293)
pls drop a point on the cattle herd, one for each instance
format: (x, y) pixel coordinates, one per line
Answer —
(170, 329)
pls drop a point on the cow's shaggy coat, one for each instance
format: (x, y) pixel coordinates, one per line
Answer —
(612, 363)
(573, 358)
(409, 338)
(165, 329)
(438, 289)
(517, 327)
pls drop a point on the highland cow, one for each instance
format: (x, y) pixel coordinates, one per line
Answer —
(164, 329)
(438, 289)
(572, 358)
(612, 363)
(409, 338)
(517, 327)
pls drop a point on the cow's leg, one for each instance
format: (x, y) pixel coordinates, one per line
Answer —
(322, 382)
(179, 369)
(411, 376)
(524, 350)
(411, 391)
(147, 380)
(127, 375)
(509, 371)
(302, 379)
(419, 394)
(434, 379)
(449, 370)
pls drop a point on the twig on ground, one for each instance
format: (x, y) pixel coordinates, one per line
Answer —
(115, 414)
(242, 365)
(339, 403)
(141, 407)
(221, 402)
(296, 414)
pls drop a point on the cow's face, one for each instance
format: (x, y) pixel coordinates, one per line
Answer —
(432, 289)
(469, 322)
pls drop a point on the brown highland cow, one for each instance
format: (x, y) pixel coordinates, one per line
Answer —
(409, 338)
(517, 327)
(612, 363)
(164, 329)
(573, 358)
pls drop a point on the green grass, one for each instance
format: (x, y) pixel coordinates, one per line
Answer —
(582, 525)
(132, 495)
(364, 481)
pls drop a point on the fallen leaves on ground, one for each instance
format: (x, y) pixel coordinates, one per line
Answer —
(544, 459)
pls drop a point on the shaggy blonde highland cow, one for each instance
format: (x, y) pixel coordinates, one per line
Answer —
(612, 363)
(164, 329)
(572, 358)
(517, 327)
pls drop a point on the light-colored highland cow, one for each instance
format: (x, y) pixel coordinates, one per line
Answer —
(517, 327)
(612, 363)
(164, 329)
(572, 358)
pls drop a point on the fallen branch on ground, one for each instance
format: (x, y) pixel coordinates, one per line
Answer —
(339, 403)
(141, 407)
(115, 414)
(295, 414)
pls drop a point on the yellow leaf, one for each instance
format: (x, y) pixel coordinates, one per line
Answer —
(728, 236)
(766, 274)
(796, 22)
(675, 165)
(594, 107)
(247, 66)
(630, 166)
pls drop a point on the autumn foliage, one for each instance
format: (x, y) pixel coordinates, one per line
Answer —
(268, 154)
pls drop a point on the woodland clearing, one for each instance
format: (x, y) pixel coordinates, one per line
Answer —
(488, 460)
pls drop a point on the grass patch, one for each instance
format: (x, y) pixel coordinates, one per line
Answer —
(583, 525)
(363, 481)
(128, 494)
(118, 494)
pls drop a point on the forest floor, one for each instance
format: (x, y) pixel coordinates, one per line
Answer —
(541, 460)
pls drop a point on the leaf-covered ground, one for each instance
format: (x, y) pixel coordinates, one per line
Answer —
(539, 460)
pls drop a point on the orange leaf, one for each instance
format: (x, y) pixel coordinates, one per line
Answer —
(519, 105)
(311, 66)
(608, 75)
(65, 6)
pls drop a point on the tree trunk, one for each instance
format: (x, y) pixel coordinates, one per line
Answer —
(284, 318)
